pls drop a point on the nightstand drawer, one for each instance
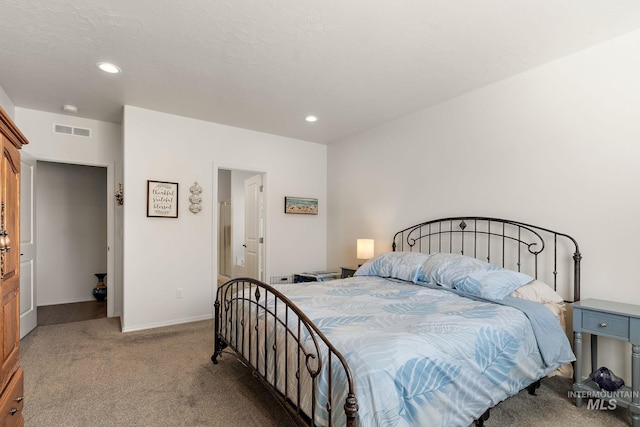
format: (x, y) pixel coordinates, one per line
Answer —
(605, 324)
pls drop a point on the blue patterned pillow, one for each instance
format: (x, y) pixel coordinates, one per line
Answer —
(493, 284)
(448, 269)
(470, 275)
(399, 265)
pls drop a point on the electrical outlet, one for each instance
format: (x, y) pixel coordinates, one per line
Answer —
(179, 293)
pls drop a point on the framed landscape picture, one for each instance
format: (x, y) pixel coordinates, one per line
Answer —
(162, 199)
(300, 205)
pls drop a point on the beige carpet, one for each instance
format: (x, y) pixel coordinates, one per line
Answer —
(90, 374)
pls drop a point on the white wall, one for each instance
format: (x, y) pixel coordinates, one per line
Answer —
(104, 148)
(164, 254)
(6, 104)
(224, 185)
(72, 231)
(558, 146)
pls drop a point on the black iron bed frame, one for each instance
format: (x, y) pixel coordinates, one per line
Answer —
(510, 244)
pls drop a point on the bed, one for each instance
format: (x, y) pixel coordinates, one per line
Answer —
(461, 314)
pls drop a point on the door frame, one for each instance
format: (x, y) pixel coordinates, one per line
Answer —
(112, 288)
(215, 215)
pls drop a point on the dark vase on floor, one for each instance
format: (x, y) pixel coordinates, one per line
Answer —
(100, 291)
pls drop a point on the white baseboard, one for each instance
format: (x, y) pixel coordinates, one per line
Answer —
(167, 323)
(66, 301)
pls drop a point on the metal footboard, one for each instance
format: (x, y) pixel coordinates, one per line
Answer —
(285, 350)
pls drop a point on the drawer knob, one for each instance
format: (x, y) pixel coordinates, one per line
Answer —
(14, 410)
(603, 325)
(19, 399)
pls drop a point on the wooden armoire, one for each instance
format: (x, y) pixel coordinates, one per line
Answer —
(11, 376)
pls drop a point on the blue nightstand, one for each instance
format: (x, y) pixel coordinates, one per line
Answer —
(614, 320)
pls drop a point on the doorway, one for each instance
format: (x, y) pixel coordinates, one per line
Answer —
(241, 224)
(71, 224)
(225, 254)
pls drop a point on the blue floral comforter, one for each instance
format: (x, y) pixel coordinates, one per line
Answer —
(423, 356)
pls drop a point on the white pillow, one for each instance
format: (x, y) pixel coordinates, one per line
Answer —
(537, 291)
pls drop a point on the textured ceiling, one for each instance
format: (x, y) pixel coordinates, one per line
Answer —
(266, 64)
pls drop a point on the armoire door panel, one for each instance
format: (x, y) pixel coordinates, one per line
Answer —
(11, 140)
(11, 210)
(11, 334)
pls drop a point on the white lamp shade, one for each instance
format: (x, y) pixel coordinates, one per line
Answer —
(364, 248)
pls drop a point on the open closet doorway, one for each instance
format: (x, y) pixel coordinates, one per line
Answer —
(71, 224)
(241, 224)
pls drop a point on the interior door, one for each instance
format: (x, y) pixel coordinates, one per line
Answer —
(28, 304)
(253, 227)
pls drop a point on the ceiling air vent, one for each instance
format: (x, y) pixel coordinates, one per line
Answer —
(82, 132)
(63, 129)
(70, 130)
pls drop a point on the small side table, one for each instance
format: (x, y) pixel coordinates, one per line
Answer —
(614, 320)
(348, 272)
(315, 276)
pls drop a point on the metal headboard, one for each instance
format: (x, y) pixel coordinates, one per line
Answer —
(544, 254)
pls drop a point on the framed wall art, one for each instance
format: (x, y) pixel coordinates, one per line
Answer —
(300, 205)
(162, 199)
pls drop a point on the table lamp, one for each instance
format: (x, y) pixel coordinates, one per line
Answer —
(364, 249)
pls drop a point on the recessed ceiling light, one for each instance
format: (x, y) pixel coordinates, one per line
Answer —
(311, 119)
(68, 108)
(108, 67)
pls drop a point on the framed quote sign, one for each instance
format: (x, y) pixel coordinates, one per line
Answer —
(162, 199)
